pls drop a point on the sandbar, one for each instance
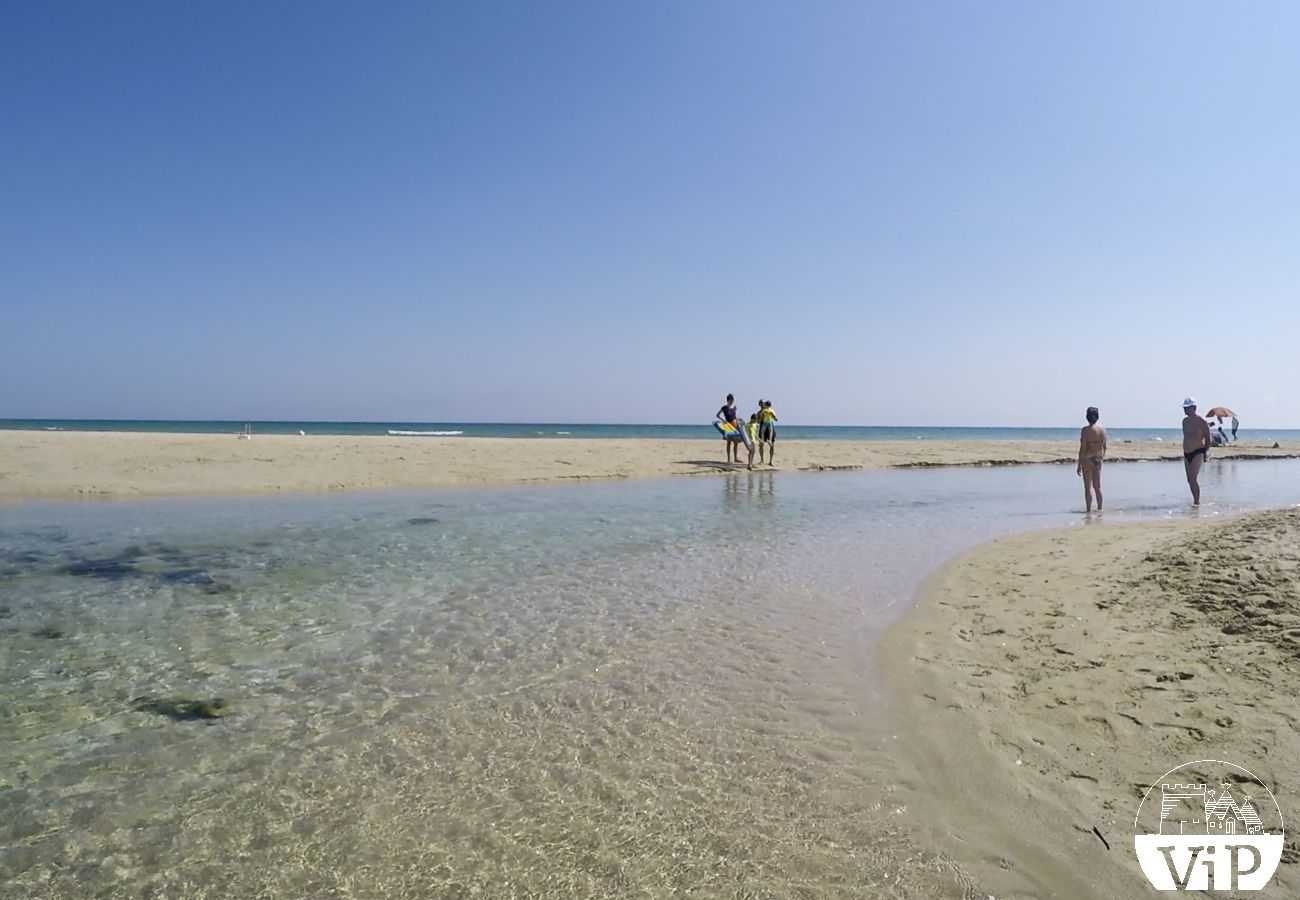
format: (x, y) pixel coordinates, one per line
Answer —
(70, 464)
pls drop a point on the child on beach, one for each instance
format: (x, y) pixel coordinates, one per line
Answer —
(1092, 450)
(752, 427)
(767, 430)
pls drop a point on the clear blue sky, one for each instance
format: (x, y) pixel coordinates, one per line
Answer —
(873, 213)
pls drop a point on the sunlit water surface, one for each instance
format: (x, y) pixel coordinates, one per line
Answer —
(602, 690)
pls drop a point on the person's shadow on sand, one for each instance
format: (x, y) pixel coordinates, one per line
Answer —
(711, 464)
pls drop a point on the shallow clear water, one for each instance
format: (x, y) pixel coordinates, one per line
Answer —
(601, 690)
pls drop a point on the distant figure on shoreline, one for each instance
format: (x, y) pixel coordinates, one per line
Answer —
(1196, 447)
(1092, 451)
(767, 430)
(1219, 436)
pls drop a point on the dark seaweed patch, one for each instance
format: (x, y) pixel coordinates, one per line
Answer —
(186, 576)
(183, 710)
(48, 632)
(127, 564)
(110, 568)
(173, 555)
(5, 612)
(107, 569)
(423, 520)
(197, 577)
(16, 562)
(53, 535)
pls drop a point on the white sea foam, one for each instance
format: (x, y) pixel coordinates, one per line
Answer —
(423, 433)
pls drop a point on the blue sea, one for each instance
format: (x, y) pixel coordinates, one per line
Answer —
(652, 688)
(553, 430)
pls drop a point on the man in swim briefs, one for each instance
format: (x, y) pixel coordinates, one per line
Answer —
(1092, 450)
(1196, 447)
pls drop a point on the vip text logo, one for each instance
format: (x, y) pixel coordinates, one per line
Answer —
(1209, 825)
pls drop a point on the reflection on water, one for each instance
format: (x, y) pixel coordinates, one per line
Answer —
(743, 489)
(608, 690)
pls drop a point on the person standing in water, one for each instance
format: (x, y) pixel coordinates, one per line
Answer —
(1196, 447)
(1092, 451)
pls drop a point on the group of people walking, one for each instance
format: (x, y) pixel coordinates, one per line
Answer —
(759, 433)
(1197, 441)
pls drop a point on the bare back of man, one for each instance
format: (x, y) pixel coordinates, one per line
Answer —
(1196, 448)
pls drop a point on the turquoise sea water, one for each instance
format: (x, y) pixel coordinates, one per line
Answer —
(552, 430)
(602, 690)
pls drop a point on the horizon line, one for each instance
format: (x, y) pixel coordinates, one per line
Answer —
(603, 424)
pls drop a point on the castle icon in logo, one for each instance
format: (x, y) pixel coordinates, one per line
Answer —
(1201, 838)
(1194, 809)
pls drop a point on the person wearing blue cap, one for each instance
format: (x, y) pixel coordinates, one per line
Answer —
(1196, 447)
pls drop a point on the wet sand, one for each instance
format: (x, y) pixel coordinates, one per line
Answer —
(120, 464)
(1046, 680)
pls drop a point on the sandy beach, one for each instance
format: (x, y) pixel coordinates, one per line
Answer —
(1046, 680)
(37, 464)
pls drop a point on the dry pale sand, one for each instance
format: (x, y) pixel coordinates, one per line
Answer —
(116, 464)
(1045, 681)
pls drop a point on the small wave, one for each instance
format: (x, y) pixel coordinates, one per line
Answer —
(564, 432)
(53, 428)
(423, 433)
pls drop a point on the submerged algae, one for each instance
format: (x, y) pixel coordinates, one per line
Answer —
(181, 710)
